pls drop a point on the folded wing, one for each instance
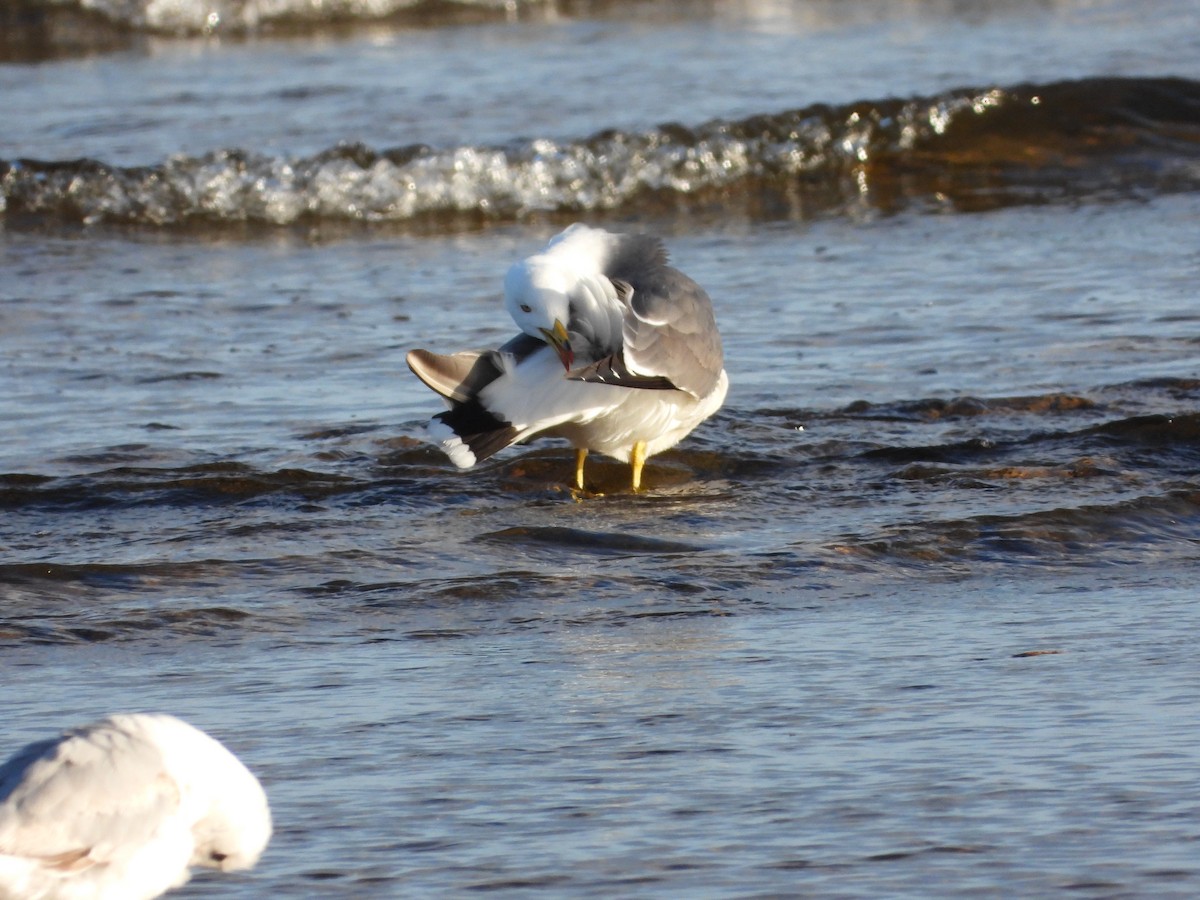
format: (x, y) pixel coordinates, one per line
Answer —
(669, 333)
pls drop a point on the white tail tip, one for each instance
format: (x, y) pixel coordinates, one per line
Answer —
(442, 434)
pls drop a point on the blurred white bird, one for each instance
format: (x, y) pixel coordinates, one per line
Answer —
(618, 353)
(122, 808)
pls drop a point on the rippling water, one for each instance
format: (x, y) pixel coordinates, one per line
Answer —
(912, 615)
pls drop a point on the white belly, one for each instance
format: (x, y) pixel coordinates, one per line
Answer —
(659, 418)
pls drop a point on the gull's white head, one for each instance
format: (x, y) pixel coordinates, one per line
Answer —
(237, 828)
(231, 818)
(553, 293)
(537, 296)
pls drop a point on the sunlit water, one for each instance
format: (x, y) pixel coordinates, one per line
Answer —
(912, 615)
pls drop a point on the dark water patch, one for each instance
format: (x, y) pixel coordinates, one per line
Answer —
(1175, 389)
(342, 431)
(121, 578)
(180, 376)
(677, 613)
(189, 486)
(576, 540)
(898, 855)
(961, 451)
(985, 477)
(708, 466)
(436, 635)
(57, 604)
(508, 601)
(158, 599)
(21, 480)
(934, 409)
(1174, 438)
(1154, 430)
(494, 587)
(1014, 482)
(194, 622)
(1123, 533)
(519, 884)
(971, 149)
(1165, 444)
(141, 453)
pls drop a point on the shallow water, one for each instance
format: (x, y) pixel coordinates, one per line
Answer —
(911, 615)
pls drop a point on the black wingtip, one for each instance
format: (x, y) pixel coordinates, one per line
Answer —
(484, 433)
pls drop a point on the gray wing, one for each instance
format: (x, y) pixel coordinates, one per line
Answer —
(74, 801)
(669, 330)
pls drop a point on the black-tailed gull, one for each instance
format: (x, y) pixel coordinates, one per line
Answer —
(618, 353)
(120, 809)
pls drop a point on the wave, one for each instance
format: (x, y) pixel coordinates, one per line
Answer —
(98, 24)
(1122, 533)
(966, 149)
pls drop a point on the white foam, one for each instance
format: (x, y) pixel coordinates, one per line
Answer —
(239, 16)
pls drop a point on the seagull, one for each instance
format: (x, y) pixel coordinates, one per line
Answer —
(618, 352)
(121, 808)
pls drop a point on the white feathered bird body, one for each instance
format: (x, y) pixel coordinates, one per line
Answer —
(122, 808)
(617, 350)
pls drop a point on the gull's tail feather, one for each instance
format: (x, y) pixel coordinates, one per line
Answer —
(470, 434)
(467, 432)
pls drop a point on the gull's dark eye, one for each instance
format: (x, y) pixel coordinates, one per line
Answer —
(525, 307)
(217, 857)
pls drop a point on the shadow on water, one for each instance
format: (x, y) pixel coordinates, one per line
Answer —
(753, 511)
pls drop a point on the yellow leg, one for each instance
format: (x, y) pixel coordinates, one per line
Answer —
(637, 459)
(580, 456)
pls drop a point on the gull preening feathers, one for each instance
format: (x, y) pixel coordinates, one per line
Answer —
(122, 808)
(618, 353)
